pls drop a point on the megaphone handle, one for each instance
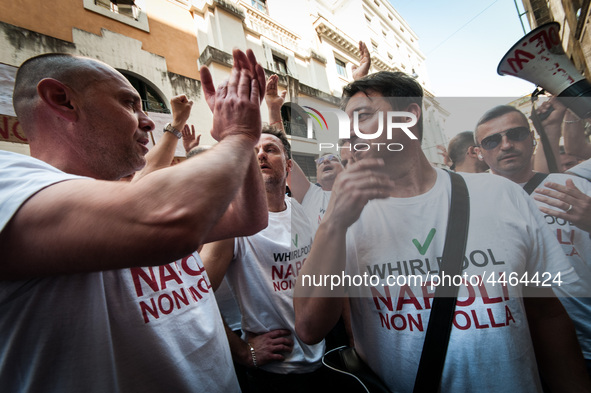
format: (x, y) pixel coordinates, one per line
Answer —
(550, 159)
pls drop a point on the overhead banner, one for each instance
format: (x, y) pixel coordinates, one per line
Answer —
(10, 130)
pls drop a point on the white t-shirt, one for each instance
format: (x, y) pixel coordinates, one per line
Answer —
(262, 276)
(490, 349)
(583, 169)
(576, 244)
(150, 329)
(315, 203)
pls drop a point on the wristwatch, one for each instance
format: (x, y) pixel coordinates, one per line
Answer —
(169, 128)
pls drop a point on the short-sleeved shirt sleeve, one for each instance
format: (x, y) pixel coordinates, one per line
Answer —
(22, 177)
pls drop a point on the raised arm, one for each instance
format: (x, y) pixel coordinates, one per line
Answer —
(575, 140)
(553, 127)
(364, 62)
(161, 155)
(86, 225)
(317, 309)
(190, 141)
(250, 203)
(274, 102)
(247, 208)
(297, 181)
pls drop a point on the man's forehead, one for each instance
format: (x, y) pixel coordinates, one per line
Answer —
(267, 139)
(102, 72)
(117, 86)
(501, 123)
(362, 99)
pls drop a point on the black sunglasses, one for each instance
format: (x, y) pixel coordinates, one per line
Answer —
(514, 134)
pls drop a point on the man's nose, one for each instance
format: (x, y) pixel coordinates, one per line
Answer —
(145, 123)
(506, 143)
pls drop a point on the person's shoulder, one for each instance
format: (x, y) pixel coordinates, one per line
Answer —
(487, 182)
(583, 169)
(315, 192)
(22, 177)
(317, 189)
(561, 178)
(488, 189)
(293, 204)
(8, 158)
(19, 162)
(296, 210)
(25, 175)
(17, 165)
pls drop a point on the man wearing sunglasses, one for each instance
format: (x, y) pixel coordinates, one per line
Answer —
(506, 144)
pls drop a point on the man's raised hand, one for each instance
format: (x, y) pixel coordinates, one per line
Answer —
(241, 61)
(235, 104)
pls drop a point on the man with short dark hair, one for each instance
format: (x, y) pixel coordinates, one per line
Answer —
(461, 151)
(506, 144)
(387, 218)
(101, 289)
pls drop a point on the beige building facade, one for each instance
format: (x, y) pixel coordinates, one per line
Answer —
(160, 44)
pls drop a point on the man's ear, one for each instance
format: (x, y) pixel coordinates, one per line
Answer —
(472, 152)
(58, 97)
(289, 165)
(416, 110)
(478, 152)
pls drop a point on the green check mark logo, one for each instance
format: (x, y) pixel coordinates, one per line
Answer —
(423, 248)
(295, 242)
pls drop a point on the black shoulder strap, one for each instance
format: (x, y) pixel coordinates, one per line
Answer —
(444, 303)
(534, 182)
